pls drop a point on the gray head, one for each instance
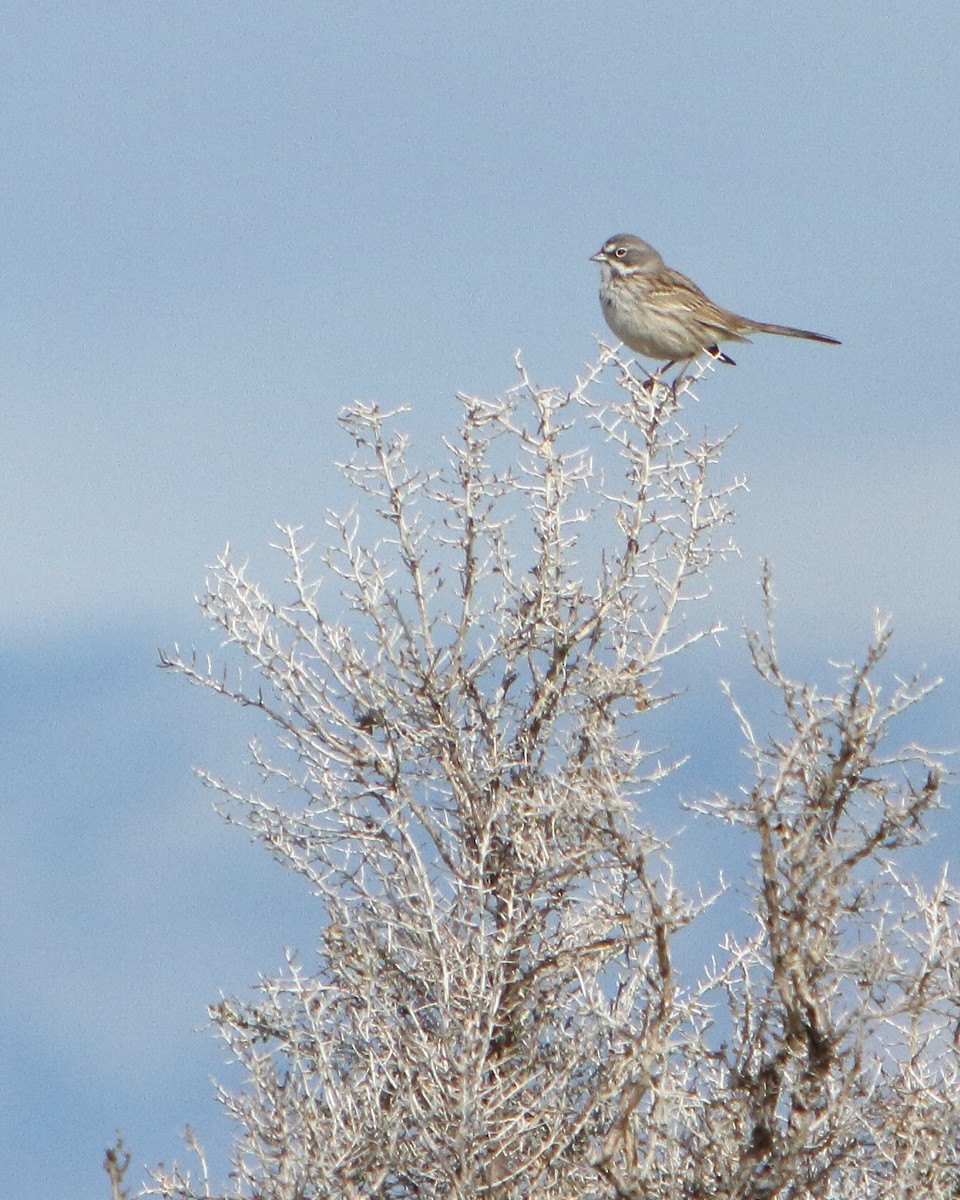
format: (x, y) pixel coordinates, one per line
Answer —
(624, 252)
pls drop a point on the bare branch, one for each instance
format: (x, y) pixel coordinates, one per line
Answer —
(457, 690)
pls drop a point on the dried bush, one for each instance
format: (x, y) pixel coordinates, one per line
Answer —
(458, 706)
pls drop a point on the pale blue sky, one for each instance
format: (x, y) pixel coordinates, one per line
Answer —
(225, 220)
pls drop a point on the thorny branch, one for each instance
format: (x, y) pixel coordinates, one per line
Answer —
(459, 695)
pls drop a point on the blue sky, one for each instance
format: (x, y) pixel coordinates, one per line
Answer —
(225, 220)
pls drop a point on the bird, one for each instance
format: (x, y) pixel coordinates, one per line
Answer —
(663, 315)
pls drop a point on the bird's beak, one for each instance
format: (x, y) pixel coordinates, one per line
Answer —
(598, 257)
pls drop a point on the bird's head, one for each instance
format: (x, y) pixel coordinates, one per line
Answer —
(623, 254)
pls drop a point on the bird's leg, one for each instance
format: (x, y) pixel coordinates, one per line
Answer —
(652, 380)
(679, 376)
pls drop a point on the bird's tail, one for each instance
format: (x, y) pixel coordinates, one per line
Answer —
(788, 331)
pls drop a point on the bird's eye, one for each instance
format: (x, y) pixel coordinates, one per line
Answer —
(620, 251)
